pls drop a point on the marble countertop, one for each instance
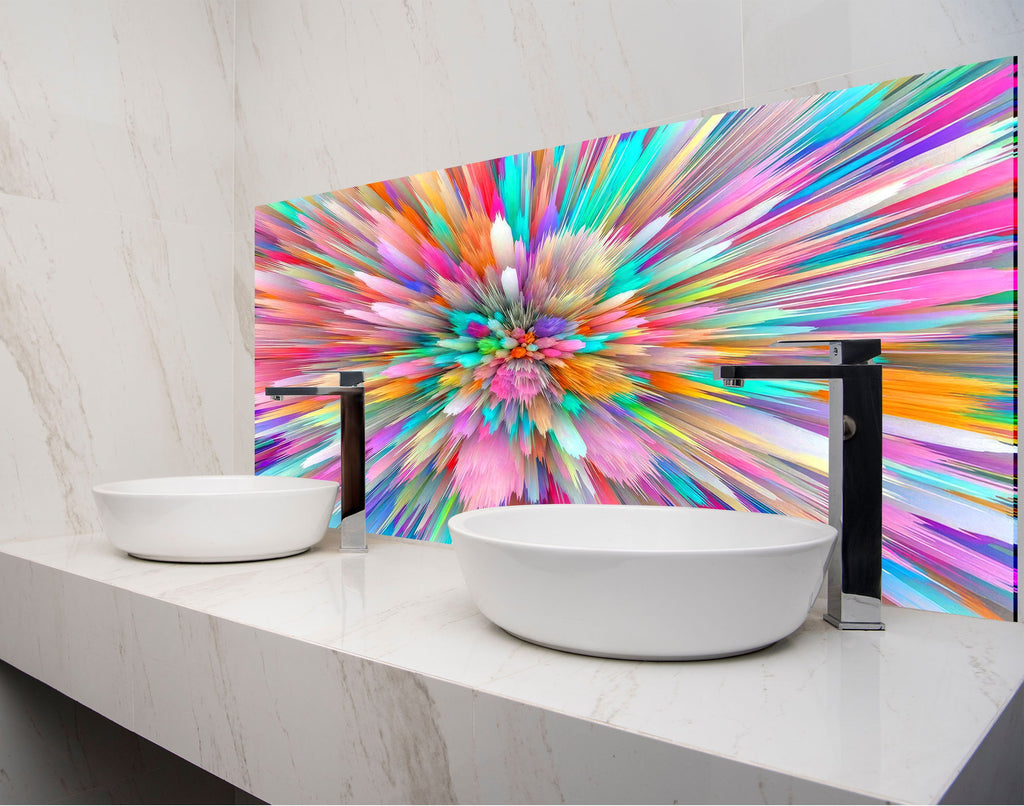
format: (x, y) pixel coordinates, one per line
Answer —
(823, 714)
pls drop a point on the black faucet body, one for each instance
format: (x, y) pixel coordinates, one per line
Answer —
(854, 472)
(352, 430)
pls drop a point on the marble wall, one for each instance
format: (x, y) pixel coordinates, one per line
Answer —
(116, 314)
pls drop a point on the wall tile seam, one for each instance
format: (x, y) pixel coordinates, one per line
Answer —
(743, 53)
(232, 269)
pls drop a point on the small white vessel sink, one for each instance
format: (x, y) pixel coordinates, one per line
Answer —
(213, 519)
(642, 582)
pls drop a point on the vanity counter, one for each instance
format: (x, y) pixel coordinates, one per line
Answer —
(374, 679)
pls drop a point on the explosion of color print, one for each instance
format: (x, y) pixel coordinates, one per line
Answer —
(543, 327)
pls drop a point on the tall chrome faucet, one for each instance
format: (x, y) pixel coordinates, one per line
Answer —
(854, 471)
(352, 428)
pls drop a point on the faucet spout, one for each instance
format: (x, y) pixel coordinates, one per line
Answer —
(736, 374)
(854, 471)
(352, 428)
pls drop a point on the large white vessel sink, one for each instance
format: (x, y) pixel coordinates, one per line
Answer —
(210, 519)
(642, 582)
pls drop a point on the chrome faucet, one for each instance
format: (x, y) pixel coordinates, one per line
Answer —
(352, 428)
(854, 471)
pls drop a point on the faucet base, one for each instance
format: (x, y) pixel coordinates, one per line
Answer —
(353, 532)
(853, 625)
(351, 546)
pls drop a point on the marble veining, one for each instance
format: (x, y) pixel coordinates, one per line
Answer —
(233, 665)
(104, 108)
(112, 374)
(39, 367)
(116, 191)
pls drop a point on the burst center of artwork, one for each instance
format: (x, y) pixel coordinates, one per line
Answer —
(512, 351)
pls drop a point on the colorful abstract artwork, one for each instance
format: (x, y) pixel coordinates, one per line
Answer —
(543, 327)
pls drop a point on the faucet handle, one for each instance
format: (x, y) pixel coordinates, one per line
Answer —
(843, 351)
(350, 378)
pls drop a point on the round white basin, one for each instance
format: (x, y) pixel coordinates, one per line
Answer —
(642, 582)
(210, 519)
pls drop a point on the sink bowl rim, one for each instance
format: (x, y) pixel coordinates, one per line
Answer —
(827, 534)
(262, 486)
(215, 518)
(643, 582)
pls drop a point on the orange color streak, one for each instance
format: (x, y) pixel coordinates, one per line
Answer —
(938, 398)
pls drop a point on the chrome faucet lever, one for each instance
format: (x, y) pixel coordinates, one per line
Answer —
(854, 471)
(352, 429)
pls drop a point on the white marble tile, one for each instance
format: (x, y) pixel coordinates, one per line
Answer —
(529, 755)
(165, 674)
(848, 693)
(427, 85)
(794, 42)
(340, 728)
(800, 47)
(934, 34)
(243, 418)
(120, 106)
(43, 312)
(227, 656)
(62, 644)
(116, 332)
(22, 647)
(1009, 44)
(505, 77)
(329, 95)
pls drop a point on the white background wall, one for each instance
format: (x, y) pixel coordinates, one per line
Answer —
(136, 136)
(116, 315)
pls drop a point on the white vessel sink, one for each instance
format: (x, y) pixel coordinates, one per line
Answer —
(210, 519)
(642, 582)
